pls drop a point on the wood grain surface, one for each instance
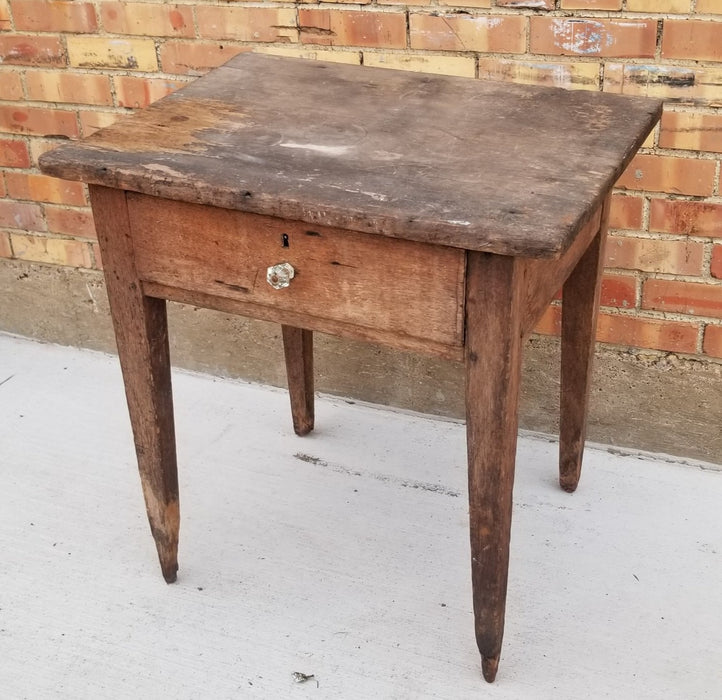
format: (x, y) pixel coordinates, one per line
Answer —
(141, 333)
(298, 354)
(411, 289)
(579, 323)
(493, 373)
(510, 169)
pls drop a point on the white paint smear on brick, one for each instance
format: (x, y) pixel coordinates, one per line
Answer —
(581, 37)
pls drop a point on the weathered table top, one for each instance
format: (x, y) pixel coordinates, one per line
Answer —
(504, 168)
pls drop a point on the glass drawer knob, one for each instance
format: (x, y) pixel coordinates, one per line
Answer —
(280, 276)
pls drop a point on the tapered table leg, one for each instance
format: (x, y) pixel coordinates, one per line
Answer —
(493, 369)
(141, 333)
(580, 303)
(298, 351)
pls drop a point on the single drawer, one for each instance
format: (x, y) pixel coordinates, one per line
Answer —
(395, 286)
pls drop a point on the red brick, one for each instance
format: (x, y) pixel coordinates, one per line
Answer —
(54, 16)
(655, 255)
(691, 39)
(715, 266)
(439, 64)
(41, 188)
(654, 173)
(694, 298)
(626, 212)
(147, 19)
(709, 7)
(28, 50)
(38, 121)
(5, 24)
(454, 32)
(14, 154)
(482, 4)
(551, 322)
(680, 216)
(713, 341)
(98, 264)
(81, 88)
(669, 6)
(593, 37)
(70, 222)
(11, 86)
(39, 146)
(631, 331)
(520, 4)
(55, 251)
(5, 249)
(591, 5)
(90, 122)
(135, 92)
(262, 24)
(571, 75)
(22, 215)
(195, 57)
(691, 83)
(112, 52)
(353, 28)
(693, 131)
(619, 291)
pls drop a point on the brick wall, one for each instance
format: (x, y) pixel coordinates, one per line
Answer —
(70, 67)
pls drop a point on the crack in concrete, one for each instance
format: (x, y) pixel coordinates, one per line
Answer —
(383, 478)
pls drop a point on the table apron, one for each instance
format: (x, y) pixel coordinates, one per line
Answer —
(402, 294)
(399, 292)
(544, 278)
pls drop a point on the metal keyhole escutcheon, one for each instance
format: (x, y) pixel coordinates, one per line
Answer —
(279, 276)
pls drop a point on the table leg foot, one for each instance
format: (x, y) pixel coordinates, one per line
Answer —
(489, 667)
(298, 352)
(580, 301)
(170, 573)
(164, 525)
(493, 373)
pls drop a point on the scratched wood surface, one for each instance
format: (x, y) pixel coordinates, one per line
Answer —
(486, 166)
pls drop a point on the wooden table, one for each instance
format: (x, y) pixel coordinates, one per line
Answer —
(428, 213)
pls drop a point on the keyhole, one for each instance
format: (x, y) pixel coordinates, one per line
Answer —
(284, 240)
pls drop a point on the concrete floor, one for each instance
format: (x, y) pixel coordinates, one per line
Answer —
(343, 555)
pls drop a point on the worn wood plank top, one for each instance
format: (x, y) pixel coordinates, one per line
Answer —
(479, 165)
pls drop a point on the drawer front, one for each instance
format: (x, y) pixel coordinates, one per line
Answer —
(402, 287)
